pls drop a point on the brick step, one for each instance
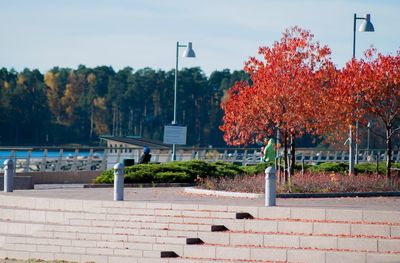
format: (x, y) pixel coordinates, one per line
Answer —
(274, 253)
(254, 225)
(286, 254)
(238, 238)
(116, 259)
(128, 207)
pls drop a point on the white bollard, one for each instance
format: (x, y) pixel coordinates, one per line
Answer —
(118, 182)
(270, 186)
(8, 175)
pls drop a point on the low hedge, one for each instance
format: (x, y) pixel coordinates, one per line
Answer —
(172, 172)
(187, 172)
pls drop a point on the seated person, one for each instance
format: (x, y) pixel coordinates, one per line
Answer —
(146, 156)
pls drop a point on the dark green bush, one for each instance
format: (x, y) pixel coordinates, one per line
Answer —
(330, 167)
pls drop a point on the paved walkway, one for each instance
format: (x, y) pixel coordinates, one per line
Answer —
(177, 195)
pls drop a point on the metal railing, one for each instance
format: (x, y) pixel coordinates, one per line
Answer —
(101, 158)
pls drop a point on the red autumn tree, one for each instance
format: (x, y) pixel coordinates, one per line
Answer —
(285, 92)
(380, 94)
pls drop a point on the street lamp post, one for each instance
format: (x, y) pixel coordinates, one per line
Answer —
(189, 53)
(366, 26)
(369, 127)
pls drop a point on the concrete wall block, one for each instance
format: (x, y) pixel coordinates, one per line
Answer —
(94, 258)
(345, 257)
(37, 216)
(88, 236)
(261, 226)
(370, 230)
(199, 251)
(241, 253)
(186, 227)
(309, 256)
(282, 241)
(169, 212)
(168, 247)
(196, 213)
(344, 215)
(221, 208)
(307, 213)
(382, 258)
(159, 205)
(381, 216)
(368, 244)
(117, 259)
(161, 219)
(223, 215)
(151, 254)
(83, 243)
(16, 228)
(25, 247)
(99, 251)
(185, 207)
(68, 257)
(273, 212)
(325, 242)
(234, 225)
(332, 228)
(73, 250)
(179, 233)
(389, 245)
(18, 254)
(125, 231)
(171, 240)
(246, 239)
(8, 214)
(21, 215)
(238, 209)
(395, 231)
(194, 220)
(48, 248)
(42, 255)
(113, 237)
(268, 254)
(55, 217)
(135, 205)
(128, 252)
(214, 237)
(295, 227)
(99, 229)
(145, 239)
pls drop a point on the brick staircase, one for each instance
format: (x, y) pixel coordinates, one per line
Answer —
(107, 231)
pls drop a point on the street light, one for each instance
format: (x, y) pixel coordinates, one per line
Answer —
(366, 26)
(189, 53)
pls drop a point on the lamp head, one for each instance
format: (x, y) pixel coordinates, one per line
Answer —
(189, 52)
(366, 25)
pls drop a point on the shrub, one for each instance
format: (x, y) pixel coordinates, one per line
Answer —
(330, 167)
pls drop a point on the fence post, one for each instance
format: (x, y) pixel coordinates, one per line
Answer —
(8, 175)
(118, 182)
(270, 186)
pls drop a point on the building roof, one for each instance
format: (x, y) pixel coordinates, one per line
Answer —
(137, 141)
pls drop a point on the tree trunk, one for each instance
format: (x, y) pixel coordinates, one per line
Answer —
(388, 152)
(285, 157)
(292, 152)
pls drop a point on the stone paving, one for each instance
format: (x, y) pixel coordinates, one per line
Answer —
(177, 195)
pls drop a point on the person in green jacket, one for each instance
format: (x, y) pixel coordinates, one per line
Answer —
(269, 150)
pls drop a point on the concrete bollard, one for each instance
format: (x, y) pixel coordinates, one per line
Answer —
(8, 175)
(118, 182)
(270, 186)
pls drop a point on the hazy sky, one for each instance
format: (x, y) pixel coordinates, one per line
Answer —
(143, 33)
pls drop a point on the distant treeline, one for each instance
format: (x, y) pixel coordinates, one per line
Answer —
(77, 105)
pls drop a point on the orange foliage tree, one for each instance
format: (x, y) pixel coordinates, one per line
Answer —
(376, 88)
(285, 92)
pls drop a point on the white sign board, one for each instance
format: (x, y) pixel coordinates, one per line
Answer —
(175, 134)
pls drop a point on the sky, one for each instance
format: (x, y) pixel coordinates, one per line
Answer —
(143, 33)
